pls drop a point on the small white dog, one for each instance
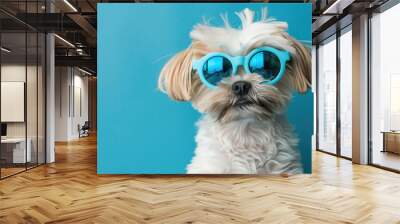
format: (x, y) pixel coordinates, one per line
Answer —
(241, 80)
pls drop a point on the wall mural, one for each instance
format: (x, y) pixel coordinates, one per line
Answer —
(204, 88)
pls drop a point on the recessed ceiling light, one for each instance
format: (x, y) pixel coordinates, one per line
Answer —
(65, 41)
(84, 71)
(70, 5)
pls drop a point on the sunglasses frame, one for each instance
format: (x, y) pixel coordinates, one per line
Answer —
(283, 56)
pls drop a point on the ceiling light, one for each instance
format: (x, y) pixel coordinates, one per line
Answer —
(65, 41)
(84, 71)
(5, 50)
(79, 51)
(70, 5)
(327, 11)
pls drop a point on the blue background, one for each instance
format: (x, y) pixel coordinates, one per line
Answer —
(142, 131)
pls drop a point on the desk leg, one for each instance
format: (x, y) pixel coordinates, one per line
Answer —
(384, 143)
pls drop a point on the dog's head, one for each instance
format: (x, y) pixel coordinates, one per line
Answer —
(246, 93)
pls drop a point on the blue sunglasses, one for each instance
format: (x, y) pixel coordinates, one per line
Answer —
(268, 62)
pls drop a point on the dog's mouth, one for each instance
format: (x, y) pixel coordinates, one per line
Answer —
(243, 102)
(249, 105)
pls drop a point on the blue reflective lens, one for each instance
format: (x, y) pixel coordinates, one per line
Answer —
(266, 64)
(217, 68)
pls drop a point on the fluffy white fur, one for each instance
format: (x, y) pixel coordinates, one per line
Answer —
(240, 41)
(246, 146)
(233, 139)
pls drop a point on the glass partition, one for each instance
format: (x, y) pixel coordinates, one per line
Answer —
(385, 90)
(327, 96)
(346, 92)
(15, 150)
(22, 77)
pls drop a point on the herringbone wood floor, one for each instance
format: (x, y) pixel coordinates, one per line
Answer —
(70, 191)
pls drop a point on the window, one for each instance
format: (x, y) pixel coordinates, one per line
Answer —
(385, 89)
(346, 92)
(327, 96)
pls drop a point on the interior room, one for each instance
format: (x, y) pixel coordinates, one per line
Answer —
(385, 89)
(22, 101)
(50, 122)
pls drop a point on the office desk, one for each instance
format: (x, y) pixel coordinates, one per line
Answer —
(391, 141)
(13, 150)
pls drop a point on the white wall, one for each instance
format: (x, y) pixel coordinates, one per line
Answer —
(62, 82)
(80, 109)
(70, 84)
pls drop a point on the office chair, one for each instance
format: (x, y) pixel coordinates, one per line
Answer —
(84, 130)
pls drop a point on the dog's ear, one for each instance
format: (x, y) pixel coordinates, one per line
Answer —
(300, 66)
(176, 76)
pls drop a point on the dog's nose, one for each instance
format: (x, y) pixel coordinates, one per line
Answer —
(241, 88)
